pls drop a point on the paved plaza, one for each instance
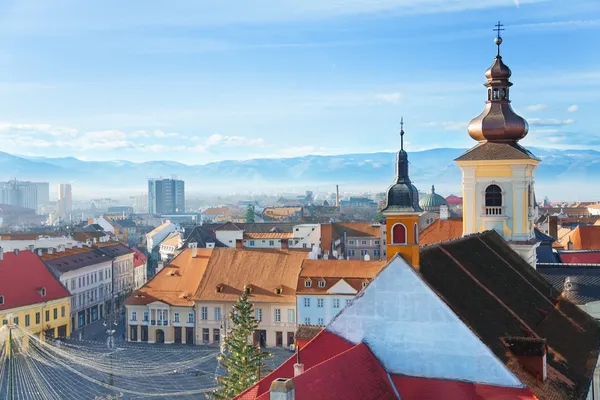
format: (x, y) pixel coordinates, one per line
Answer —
(92, 370)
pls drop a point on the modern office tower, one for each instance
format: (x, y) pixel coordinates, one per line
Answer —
(65, 201)
(166, 196)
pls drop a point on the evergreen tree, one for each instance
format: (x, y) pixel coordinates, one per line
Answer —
(250, 214)
(379, 217)
(242, 360)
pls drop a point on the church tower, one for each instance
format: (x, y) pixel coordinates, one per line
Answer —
(498, 172)
(402, 212)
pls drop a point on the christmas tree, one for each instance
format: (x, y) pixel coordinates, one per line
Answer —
(250, 214)
(242, 359)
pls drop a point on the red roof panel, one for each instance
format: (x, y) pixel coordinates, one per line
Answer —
(411, 388)
(23, 274)
(580, 257)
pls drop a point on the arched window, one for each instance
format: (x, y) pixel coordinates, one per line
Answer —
(503, 95)
(489, 94)
(495, 94)
(416, 233)
(493, 196)
(399, 234)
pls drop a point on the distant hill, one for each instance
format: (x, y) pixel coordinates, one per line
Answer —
(369, 171)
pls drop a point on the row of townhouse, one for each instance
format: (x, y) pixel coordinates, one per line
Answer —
(98, 277)
(191, 298)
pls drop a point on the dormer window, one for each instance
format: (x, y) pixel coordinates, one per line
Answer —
(279, 290)
(219, 288)
(322, 283)
(307, 283)
(365, 283)
(1, 300)
(42, 291)
(248, 289)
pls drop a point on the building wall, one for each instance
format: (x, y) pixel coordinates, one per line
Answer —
(410, 250)
(359, 246)
(228, 238)
(152, 323)
(123, 282)
(157, 237)
(50, 324)
(140, 275)
(41, 242)
(267, 323)
(91, 292)
(311, 314)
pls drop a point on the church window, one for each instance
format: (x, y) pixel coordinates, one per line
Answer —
(503, 94)
(489, 94)
(493, 196)
(495, 94)
(399, 234)
(416, 233)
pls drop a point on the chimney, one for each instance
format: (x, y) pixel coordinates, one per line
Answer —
(553, 226)
(326, 256)
(31, 248)
(298, 367)
(239, 243)
(95, 240)
(285, 244)
(210, 245)
(1, 253)
(337, 196)
(444, 212)
(79, 245)
(16, 251)
(194, 247)
(69, 245)
(367, 257)
(50, 250)
(531, 354)
(282, 389)
(88, 243)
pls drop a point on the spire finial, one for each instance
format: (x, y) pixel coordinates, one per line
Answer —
(432, 188)
(401, 133)
(498, 39)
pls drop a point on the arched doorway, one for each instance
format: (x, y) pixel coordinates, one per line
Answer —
(160, 336)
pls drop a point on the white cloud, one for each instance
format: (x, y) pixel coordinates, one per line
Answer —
(154, 133)
(536, 107)
(549, 121)
(111, 134)
(46, 129)
(221, 140)
(389, 97)
(448, 125)
(573, 108)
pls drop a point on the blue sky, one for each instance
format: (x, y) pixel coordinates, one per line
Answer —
(200, 81)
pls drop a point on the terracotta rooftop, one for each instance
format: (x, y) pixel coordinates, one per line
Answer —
(158, 228)
(341, 268)
(307, 332)
(19, 291)
(441, 231)
(172, 240)
(216, 211)
(264, 270)
(583, 238)
(280, 212)
(176, 283)
(356, 229)
(497, 151)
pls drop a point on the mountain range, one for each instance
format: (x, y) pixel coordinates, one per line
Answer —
(566, 173)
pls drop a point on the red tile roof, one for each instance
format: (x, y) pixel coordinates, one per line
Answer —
(441, 231)
(454, 200)
(23, 274)
(139, 258)
(580, 257)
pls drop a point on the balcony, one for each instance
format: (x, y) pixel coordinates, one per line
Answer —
(494, 211)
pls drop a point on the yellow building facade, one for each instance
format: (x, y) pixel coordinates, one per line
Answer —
(51, 318)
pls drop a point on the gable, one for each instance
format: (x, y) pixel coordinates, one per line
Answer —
(413, 332)
(342, 287)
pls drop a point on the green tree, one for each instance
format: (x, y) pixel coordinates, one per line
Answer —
(242, 359)
(250, 214)
(379, 217)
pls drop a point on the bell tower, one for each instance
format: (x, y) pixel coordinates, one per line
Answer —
(498, 182)
(402, 212)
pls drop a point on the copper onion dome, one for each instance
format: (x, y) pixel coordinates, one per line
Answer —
(498, 122)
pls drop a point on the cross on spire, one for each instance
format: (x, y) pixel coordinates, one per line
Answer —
(498, 40)
(401, 133)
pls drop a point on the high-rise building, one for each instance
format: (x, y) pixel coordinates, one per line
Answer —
(166, 196)
(65, 201)
(24, 193)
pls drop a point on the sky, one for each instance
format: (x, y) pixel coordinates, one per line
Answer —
(201, 81)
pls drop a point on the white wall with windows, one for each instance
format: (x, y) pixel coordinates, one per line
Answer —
(319, 309)
(90, 288)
